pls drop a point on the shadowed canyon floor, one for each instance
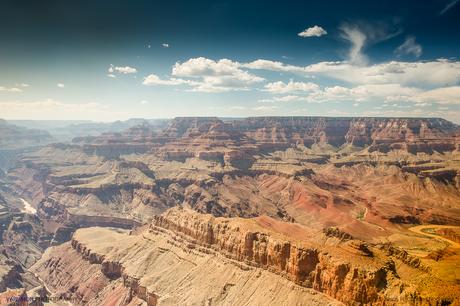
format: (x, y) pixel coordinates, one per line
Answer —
(256, 211)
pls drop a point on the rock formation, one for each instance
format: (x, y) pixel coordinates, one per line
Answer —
(163, 264)
(320, 206)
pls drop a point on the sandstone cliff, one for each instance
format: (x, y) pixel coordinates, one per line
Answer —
(186, 257)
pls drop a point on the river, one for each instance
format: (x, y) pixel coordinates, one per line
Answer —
(419, 230)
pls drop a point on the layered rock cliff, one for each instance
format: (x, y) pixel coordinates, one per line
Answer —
(384, 134)
(156, 269)
(380, 134)
(186, 257)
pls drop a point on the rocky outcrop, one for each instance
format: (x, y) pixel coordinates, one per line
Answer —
(297, 262)
(115, 150)
(177, 155)
(382, 134)
(333, 263)
(450, 234)
(306, 265)
(10, 273)
(89, 221)
(161, 271)
(275, 133)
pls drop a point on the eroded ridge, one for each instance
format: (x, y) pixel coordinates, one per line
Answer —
(221, 260)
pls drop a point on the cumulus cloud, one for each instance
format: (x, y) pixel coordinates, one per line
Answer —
(288, 98)
(165, 45)
(357, 94)
(443, 95)
(439, 72)
(388, 94)
(410, 46)
(215, 76)
(395, 82)
(200, 66)
(315, 31)
(60, 85)
(122, 69)
(434, 73)
(153, 79)
(263, 64)
(221, 84)
(281, 87)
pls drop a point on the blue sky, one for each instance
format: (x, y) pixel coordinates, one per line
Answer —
(109, 60)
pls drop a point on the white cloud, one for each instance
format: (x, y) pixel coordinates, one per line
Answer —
(153, 79)
(420, 83)
(10, 89)
(315, 31)
(361, 35)
(357, 94)
(281, 87)
(357, 39)
(288, 98)
(200, 66)
(165, 45)
(440, 72)
(444, 95)
(219, 84)
(363, 93)
(410, 46)
(144, 102)
(435, 73)
(60, 85)
(240, 80)
(265, 108)
(122, 69)
(215, 76)
(126, 70)
(272, 66)
(110, 75)
(387, 94)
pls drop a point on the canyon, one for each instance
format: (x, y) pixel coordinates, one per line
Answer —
(221, 211)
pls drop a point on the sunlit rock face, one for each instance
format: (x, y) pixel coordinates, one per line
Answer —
(187, 257)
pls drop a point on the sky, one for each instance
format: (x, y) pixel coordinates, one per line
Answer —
(108, 60)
